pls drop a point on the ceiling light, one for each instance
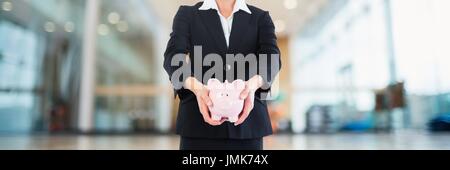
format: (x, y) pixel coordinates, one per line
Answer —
(122, 26)
(290, 4)
(113, 18)
(103, 30)
(69, 27)
(49, 27)
(280, 26)
(7, 6)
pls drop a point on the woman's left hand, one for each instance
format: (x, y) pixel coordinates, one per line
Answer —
(248, 95)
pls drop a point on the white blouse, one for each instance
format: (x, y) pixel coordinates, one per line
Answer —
(227, 23)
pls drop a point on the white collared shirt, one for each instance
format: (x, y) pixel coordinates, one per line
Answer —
(227, 23)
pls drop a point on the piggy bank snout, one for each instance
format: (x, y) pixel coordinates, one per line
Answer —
(226, 104)
(226, 99)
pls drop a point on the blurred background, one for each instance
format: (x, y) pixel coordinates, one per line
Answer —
(358, 74)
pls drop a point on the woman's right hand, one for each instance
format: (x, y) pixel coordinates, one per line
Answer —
(203, 99)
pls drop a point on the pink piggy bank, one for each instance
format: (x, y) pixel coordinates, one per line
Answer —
(226, 99)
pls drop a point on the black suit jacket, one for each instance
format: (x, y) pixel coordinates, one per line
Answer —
(251, 34)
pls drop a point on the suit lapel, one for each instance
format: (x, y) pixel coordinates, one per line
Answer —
(241, 23)
(212, 22)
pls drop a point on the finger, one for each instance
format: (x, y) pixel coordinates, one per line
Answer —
(245, 93)
(243, 117)
(212, 122)
(207, 100)
(222, 121)
(203, 110)
(245, 113)
(207, 118)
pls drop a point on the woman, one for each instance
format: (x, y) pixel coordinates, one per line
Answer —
(222, 27)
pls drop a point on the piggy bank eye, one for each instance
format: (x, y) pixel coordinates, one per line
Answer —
(227, 95)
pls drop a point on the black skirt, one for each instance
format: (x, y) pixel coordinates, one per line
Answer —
(220, 144)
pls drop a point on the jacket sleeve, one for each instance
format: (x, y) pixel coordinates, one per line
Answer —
(268, 45)
(179, 41)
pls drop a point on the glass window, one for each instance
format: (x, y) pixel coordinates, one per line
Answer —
(39, 52)
(343, 61)
(421, 41)
(129, 96)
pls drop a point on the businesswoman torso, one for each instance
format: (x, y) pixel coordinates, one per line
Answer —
(248, 30)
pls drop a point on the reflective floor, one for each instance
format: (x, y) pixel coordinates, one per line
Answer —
(410, 140)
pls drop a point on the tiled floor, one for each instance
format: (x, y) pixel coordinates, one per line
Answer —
(403, 140)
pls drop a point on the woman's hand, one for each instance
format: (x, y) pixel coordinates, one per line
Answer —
(203, 100)
(248, 95)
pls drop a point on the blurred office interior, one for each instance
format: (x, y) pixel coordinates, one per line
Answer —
(354, 69)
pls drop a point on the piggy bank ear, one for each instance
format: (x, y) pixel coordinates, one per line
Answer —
(239, 84)
(214, 84)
